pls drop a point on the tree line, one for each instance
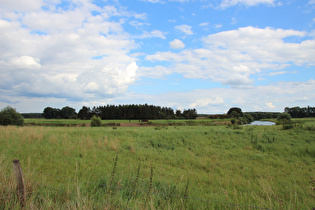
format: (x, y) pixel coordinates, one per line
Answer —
(297, 112)
(32, 115)
(135, 112)
(55, 113)
(119, 112)
(156, 112)
(255, 115)
(263, 115)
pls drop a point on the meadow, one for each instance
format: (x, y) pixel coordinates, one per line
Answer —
(161, 167)
(78, 122)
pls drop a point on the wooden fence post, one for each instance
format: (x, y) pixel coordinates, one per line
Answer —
(19, 181)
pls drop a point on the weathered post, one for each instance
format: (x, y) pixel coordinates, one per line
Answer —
(19, 181)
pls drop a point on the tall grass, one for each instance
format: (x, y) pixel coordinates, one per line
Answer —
(259, 166)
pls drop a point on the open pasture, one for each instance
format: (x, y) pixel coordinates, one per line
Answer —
(160, 167)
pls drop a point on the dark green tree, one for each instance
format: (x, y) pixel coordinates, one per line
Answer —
(51, 113)
(9, 116)
(68, 113)
(233, 110)
(235, 114)
(190, 114)
(85, 113)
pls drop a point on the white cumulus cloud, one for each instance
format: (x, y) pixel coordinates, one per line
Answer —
(270, 105)
(152, 34)
(67, 53)
(22, 5)
(231, 57)
(26, 62)
(186, 29)
(177, 44)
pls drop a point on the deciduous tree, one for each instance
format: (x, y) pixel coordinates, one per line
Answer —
(9, 116)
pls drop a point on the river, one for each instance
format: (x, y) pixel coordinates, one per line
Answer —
(261, 123)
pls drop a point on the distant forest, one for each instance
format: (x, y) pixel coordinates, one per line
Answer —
(116, 112)
(297, 112)
(136, 112)
(255, 115)
(153, 112)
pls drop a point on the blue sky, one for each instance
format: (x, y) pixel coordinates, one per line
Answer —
(211, 55)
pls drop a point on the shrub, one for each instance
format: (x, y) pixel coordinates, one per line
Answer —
(96, 121)
(287, 125)
(248, 118)
(284, 119)
(9, 116)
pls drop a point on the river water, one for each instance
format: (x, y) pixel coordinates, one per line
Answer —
(262, 123)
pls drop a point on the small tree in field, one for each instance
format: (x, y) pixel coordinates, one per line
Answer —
(9, 116)
(284, 119)
(96, 121)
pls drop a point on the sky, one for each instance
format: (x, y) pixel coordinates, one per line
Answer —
(210, 55)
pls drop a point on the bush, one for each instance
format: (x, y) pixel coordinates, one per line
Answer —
(9, 116)
(286, 126)
(96, 121)
(248, 118)
(284, 119)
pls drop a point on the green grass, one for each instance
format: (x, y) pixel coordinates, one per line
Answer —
(71, 167)
(72, 122)
(41, 121)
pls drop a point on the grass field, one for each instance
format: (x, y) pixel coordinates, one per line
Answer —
(73, 122)
(161, 167)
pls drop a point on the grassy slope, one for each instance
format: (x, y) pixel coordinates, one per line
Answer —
(258, 166)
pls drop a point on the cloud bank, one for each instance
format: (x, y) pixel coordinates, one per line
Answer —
(65, 51)
(231, 57)
(58, 53)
